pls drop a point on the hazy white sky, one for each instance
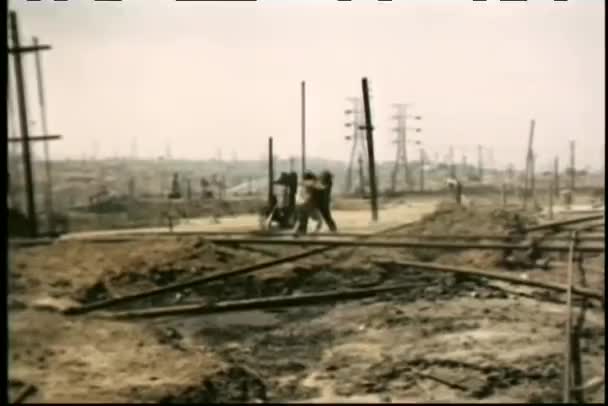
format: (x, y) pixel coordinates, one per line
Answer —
(211, 75)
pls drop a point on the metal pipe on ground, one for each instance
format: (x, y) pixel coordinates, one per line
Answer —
(373, 243)
(210, 278)
(559, 224)
(497, 275)
(333, 296)
(270, 237)
(264, 303)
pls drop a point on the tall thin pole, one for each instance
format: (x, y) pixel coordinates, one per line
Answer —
(556, 176)
(270, 171)
(23, 121)
(47, 157)
(14, 171)
(370, 150)
(303, 127)
(421, 169)
(572, 167)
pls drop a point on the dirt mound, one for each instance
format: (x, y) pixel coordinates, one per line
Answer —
(110, 362)
(451, 219)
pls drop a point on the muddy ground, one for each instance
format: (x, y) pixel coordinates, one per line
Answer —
(447, 338)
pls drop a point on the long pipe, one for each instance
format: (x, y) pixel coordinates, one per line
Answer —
(128, 237)
(265, 303)
(210, 278)
(497, 275)
(555, 224)
(333, 296)
(385, 243)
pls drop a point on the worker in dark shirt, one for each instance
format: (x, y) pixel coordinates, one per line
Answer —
(326, 181)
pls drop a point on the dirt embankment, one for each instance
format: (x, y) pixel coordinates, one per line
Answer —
(447, 338)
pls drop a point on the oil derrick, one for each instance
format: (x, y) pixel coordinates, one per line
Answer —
(358, 141)
(401, 158)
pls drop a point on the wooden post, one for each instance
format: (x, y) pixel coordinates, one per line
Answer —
(533, 180)
(551, 191)
(24, 124)
(47, 159)
(270, 171)
(572, 168)
(303, 161)
(421, 169)
(370, 150)
(556, 176)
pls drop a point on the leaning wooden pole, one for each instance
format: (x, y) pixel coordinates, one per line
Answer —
(47, 158)
(556, 176)
(369, 129)
(24, 124)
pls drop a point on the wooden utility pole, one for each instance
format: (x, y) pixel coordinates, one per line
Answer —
(270, 172)
(551, 193)
(572, 167)
(303, 161)
(17, 50)
(422, 169)
(556, 176)
(369, 128)
(533, 179)
(47, 159)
